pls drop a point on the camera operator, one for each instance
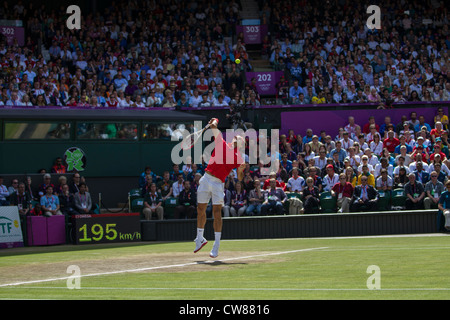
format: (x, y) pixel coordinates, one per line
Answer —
(235, 116)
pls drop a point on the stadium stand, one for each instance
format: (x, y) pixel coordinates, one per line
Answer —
(135, 54)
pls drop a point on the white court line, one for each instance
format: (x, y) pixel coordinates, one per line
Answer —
(419, 235)
(159, 267)
(248, 289)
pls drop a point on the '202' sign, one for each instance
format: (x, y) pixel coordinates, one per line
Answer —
(264, 77)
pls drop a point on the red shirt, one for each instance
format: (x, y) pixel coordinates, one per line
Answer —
(222, 168)
(391, 144)
(58, 169)
(436, 133)
(346, 189)
(266, 185)
(440, 153)
(366, 128)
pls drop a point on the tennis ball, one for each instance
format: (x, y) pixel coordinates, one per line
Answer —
(237, 61)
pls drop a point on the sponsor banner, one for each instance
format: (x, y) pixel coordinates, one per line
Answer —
(13, 33)
(10, 229)
(265, 81)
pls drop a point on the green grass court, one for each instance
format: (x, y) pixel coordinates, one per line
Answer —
(410, 267)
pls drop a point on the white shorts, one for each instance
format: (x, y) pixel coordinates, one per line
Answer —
(210, 188)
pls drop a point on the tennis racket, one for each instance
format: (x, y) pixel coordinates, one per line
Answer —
(190, 140)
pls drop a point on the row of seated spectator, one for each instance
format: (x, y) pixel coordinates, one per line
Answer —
(341, 60)
(130, 54)
(257, 195)
(65, 198)
(385, 164)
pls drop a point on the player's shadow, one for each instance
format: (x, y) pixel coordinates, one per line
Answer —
(219, 263)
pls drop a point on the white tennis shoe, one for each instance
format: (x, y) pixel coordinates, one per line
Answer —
(199, 244)
(215, 250)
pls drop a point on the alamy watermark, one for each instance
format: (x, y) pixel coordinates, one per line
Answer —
(74, 20)
(374, 280)
(74, 280)
(374, 21)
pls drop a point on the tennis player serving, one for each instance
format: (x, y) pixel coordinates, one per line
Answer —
(224, 158)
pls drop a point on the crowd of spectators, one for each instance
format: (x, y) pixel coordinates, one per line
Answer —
(353, 169)
(329, 55)
(171, 53)
(130, 54)
(182, 54)
(46, 198)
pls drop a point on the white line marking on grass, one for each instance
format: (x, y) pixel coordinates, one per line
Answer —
(160, 267)
(249, 289)
(419, 235)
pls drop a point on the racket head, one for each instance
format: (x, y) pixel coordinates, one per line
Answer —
(189, 141)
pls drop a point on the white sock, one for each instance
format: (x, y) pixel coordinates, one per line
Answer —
(200, 233)
(217, 236)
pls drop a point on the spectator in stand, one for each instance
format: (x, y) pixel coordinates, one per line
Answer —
(67, 201)
(436, 132)
(58, 166)
(421, 174)
(391, 142)
(366, 128)
(255, 199)
(21, 199)
(342, 153)
(47, 182)
(74, 186)
(365, 197)
(238, 200)
(153, 204)
(37, 210)
(384, 183)
(195, 99)
(50, 203)
(142, 177)
(165, 186)
(30, 189)
(82, 200)
(330, 179)
(62, 181)
(311, 197)
(296, 183)
(415, 193)
(441, 117)
(294, 91)
(365, 172)
(178, 186)
(187, 200)
(343, 192)
(317, 180)
(14, 187)
(274, 199)
(283, 91)
(433, 190)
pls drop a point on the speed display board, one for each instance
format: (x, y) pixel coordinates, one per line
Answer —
(106, 228)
